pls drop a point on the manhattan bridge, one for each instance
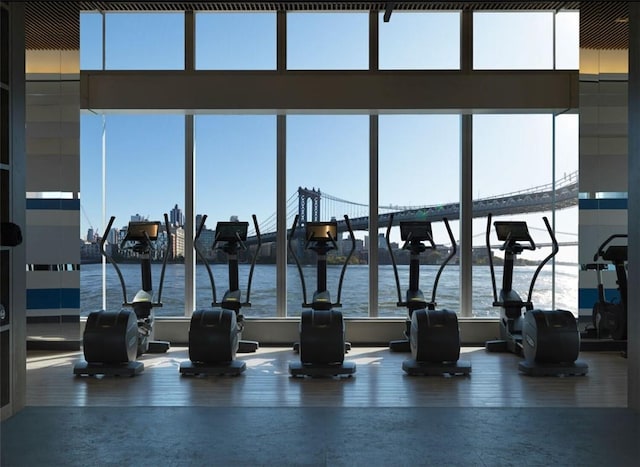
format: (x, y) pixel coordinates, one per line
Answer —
(314, 205)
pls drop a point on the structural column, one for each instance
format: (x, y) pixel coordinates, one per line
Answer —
(465, 252)
(634, 208)
(12, 209)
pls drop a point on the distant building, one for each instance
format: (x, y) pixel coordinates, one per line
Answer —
(176, 216)
(90, 252)
(138, 218)
(91, 235)
(177, 240)
(205, 242)
(199, 221)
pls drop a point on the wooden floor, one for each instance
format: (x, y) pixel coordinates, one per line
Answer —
(378, 382)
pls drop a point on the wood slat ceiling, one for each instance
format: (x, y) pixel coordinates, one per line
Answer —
(54, 25)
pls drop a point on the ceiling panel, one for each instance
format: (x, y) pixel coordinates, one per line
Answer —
(54, 25)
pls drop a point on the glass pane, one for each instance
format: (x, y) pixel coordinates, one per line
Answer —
(512, 168)
(236, 178)
(91, 225)
(513, 41)
(145, 41)
(145, 180)
(235, 41)
(328, 177)
(419, 167)
(567, 261)
(90, 41)
(327, 41)
(568, 40)
(434, 39)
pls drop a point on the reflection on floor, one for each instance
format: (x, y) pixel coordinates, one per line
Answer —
(379, 417)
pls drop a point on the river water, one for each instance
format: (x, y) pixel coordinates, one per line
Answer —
(354, 296)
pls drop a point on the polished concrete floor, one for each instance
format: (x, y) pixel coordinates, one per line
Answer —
(379, 417)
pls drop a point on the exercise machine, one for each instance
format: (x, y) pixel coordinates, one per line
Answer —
(433, 336)
(608, 327)
(548, 339)
(322, 331)
(215, 333)
(113, 340)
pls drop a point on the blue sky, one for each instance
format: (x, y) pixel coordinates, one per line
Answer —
(236, 155)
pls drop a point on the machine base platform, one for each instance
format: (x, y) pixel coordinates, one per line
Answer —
(501, 345)
(234, 368)
(93, 369)
(345, 369)
(296, 347)
(401, 345)
(248, 346)
(602, 345)
(577, 368)
(413, 367)
(158, 346)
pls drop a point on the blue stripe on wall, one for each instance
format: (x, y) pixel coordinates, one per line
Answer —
(51, 299)
(60, 204)
(612, 203)
(588, 297)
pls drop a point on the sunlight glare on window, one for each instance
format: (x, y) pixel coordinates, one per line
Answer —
(513, 41)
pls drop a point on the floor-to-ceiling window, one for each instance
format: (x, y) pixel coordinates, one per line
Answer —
(419, 181)
(132, 164)
(327, 178)
(328, 160)
(327, 153)
(521, 162)
(235, 180)
(419, 160)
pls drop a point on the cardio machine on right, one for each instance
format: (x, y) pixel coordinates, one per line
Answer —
(608, 327)
(548, 339)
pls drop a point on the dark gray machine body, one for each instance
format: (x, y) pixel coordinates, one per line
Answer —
(111, 337)
(435, 336)
(322, 340)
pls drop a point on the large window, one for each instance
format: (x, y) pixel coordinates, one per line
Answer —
(513, 170)
(144, 162)
(236, 179)
(328, 169)
(419, 166)
(327, 156)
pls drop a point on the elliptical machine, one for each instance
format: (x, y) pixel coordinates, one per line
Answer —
(609, 320)
(548, 339)
(322, 331)
(215, 334)
(112, 340)
(433, 336)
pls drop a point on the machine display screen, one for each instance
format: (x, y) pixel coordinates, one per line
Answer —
(516, 231)
(137, 229)
(231, 231)
(416, 230)
(322, 231)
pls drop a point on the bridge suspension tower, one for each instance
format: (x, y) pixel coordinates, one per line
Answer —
(305, 195)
